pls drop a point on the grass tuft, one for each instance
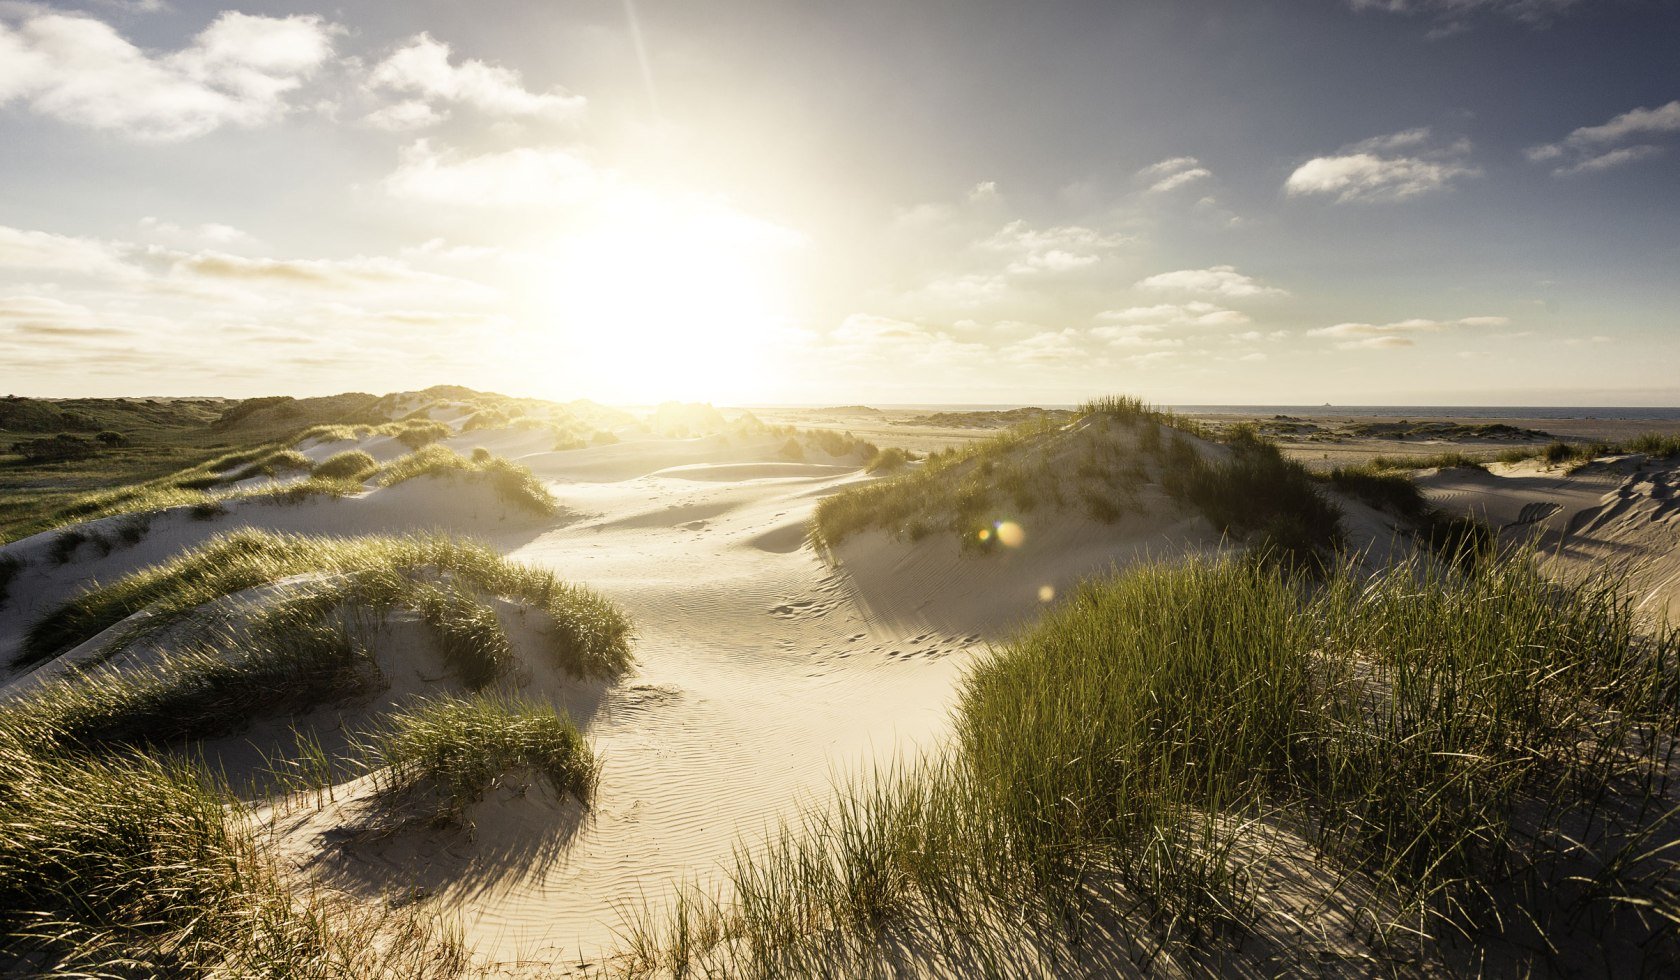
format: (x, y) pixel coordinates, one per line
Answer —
(352, 464)
(591, 638)
(454, 749)
(1475, 754)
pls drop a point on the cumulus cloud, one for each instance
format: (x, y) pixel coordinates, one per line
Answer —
(1381, 336)
(1219, 280)
(422, 73)
(1169, 175)
(1193, 314)
(1395, 167)
(1590, 149)
(240, 70)
(1062, 248)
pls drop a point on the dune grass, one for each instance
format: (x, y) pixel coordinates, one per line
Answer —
(129, 866)
(511, 481)
(887, 461)
(1433, 461)
(288, 658)
(591, 636)
(413, 433)
(1482, 755)
(1257, 493)
(452, 750)
(351, 464)
(272, 464)
(1103, 461)
(1577, 454)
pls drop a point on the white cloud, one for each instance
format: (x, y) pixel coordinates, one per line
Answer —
(984, 192)
(405, 115)
(1589, 148)
(521, 177)
(1220, 280)
(210, 234)
(40, 250)
(1051, 250)
(1169, 175)
(1192, 314)
(1046, 347)
(422, 72)
(240, 70)
(1384, 168)
(1382, 336)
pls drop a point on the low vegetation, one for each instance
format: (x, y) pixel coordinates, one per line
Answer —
(449, 751)
(511, 481)
(591, 636)
(1115, 452)
(352, 464)
(126, 865)
(1578, 454)
(1432, 461)
(1190, 765)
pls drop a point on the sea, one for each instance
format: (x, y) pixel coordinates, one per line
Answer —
(1613, 413)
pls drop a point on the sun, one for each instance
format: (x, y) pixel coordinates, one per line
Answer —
(663, 300)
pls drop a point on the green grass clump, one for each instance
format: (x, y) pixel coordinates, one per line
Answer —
(127, 866)
(470, 634)
(886, 461)
(1655, 444)
(511, 481)
(1103, 461)
(1441, 461)
(352, 464)
(272, 464)
(1258, 492)
(1386, 490)
(415, 433)
(288, 659)
(455, 748)
(1457, 754)
(591, 637)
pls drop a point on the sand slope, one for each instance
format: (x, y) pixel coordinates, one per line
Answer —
(1616, 517)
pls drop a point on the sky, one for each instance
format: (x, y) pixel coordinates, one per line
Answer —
(1468, 202)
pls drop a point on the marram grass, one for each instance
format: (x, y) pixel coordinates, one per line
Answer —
(591, 637)
(1482, 755)
(444, 753)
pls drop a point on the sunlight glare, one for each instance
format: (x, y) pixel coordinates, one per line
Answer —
(668, 300)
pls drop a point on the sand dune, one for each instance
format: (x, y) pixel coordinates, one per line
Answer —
(766, 670)
(1616, 517)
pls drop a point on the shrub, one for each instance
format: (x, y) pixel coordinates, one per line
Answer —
(792, 450)
(111, 440)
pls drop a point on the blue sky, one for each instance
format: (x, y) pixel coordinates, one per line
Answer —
(1358, 201)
